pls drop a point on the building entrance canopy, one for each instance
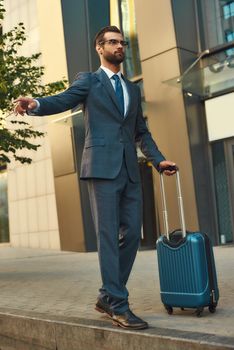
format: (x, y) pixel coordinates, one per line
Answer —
(211, 74)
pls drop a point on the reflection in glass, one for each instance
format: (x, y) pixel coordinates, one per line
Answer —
(123, 15)
(222, 191)
(217, 23)
(229, 37)
(132, 66)
(4, 225)
(228, 10)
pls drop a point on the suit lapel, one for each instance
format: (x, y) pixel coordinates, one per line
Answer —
(130, 95)
(104, 79)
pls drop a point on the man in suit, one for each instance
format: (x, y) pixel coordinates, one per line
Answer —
(113, 124)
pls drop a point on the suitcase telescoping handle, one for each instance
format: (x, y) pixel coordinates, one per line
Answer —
(180, 202)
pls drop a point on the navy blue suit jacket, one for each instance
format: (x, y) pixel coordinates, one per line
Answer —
(108, 134)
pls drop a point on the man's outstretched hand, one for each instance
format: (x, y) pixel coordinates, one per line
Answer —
(24, 104)
(165, 164)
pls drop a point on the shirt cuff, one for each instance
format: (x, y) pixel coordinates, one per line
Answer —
(35, 110)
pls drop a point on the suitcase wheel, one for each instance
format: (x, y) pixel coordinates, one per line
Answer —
(212, 308)
(199, 311)
(169, 309)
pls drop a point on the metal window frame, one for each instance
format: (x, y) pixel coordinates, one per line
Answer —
(229, 157)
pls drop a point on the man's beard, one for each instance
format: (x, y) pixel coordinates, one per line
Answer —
(115, 59)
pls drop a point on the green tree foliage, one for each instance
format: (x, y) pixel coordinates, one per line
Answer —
(19, 76)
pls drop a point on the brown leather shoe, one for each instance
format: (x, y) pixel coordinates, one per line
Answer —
(129, 320)
(103, 306)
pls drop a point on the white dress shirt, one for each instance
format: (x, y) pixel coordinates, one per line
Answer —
(125, 90)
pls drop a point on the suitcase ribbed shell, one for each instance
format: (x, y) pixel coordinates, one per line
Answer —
(183, 272)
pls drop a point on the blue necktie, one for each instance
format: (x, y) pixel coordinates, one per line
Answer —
(119, 92)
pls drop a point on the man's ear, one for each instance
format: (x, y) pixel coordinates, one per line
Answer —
(99, 49)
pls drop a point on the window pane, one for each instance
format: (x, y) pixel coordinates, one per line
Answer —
(4, 226)
(217, 19)
(226, 11)
(222, 192)
(232, 9)
(132, 64)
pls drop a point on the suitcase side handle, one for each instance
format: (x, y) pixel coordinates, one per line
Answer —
(180, 202)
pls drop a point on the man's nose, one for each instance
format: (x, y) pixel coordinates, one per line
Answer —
(120, 45)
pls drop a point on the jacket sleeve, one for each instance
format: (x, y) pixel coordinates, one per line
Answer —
(68, 99)
(144, 138)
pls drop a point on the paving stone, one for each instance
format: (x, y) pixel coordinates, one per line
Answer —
(65, 284)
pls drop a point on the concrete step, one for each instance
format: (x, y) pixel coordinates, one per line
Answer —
(33, 331)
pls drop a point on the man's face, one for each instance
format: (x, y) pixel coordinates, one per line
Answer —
(111, 49)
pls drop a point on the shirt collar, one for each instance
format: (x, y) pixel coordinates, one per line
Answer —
(110, 73)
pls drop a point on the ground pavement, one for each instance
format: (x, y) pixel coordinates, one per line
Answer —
(47, 301)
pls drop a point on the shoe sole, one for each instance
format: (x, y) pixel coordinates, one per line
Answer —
(102, 311)
(115, 323)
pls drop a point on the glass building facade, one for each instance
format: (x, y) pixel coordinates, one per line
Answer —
(217, 28)
(217, 22)
(165, 38)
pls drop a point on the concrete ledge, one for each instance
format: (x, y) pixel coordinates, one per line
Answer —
(34, 331)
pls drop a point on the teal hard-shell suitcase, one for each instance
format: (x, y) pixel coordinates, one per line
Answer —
(186, 265)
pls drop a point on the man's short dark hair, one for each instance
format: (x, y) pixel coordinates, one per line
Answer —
(100, 35)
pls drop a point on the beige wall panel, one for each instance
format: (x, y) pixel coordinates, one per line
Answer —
(114, 13)
(52, 39)
(62, 149)
(155, 27)
(69, 213)
(167, 122)
(52, 44)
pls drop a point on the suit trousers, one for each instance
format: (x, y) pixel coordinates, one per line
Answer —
(116, 207)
